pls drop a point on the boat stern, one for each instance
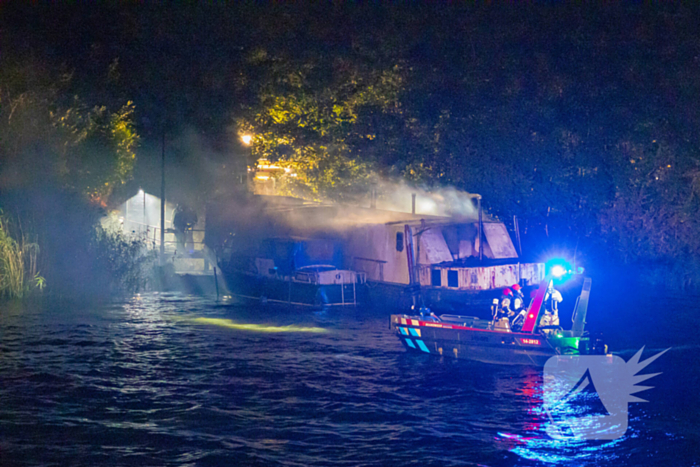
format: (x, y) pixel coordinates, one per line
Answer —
(410, 332)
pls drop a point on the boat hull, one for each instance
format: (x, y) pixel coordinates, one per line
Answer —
(484, 345)
(398, 297)
(291, 292)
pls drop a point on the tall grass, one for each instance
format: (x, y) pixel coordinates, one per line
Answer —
(18, 263)
(122, 263)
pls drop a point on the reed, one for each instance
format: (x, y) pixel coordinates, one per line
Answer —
(122, 262)
(18, 263)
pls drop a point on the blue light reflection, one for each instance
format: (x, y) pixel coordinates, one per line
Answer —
(536, 444)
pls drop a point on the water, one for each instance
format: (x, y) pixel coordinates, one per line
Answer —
(146, 383)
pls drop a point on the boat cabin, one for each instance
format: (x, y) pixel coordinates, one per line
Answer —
(446, 251)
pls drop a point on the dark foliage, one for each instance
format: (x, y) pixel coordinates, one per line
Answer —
(582, 120)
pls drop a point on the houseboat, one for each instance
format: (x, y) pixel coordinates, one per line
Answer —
(455, 262)
(263, 257)
(385, 255)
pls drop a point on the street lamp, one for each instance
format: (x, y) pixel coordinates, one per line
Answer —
(247, 140)
(161, 259)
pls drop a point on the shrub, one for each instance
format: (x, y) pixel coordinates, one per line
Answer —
(122, 262)
(18, 263)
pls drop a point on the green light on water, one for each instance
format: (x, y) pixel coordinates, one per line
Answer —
(227, 323)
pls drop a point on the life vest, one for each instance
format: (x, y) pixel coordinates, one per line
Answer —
(518, 301)
(552, 300)
(504, 308)
(551, 306)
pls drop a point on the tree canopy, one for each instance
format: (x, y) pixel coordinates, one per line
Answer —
(48, 139)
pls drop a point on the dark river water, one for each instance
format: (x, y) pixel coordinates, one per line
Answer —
(178, 380)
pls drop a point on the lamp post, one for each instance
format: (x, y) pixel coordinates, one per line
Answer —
(247, 140)
(144, 224)
(162, 203)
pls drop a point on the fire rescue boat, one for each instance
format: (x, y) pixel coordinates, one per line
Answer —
(495, 341)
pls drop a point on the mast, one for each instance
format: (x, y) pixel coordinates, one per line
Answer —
(408, 233)
(413, 280)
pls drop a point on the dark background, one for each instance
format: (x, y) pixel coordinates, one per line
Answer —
(580, 120)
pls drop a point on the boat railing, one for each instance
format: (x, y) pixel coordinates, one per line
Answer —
(348, 291)
(378, 262)
(457, 318)
(303, 276)
(313, 277)
(464, 320)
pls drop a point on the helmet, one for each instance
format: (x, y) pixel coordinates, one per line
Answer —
(507, 291)
(515, 287)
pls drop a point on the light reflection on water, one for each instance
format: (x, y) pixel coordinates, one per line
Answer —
(536, 444)
(567, 452)
(142, 383)
(227, 323)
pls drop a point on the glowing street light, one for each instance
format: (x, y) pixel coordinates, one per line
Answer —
(247, 140)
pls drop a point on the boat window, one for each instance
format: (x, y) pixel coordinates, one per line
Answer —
(452, 280)
(435, 278)
(399, 241)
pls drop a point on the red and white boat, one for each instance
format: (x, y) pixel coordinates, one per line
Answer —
(495, 341)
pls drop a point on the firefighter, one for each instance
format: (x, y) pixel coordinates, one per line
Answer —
(518, 298)
(184, 220)
(504, 310)
(552, 299)
(519, 307)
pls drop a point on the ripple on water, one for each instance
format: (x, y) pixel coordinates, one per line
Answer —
(147, 382)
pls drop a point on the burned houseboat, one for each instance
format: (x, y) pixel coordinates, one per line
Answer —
(264, 256)
(455, 262)
(272, 242)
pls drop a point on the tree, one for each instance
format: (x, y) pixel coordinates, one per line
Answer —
(314, 118)
(59, 162)
(98, 153)
(44, 140)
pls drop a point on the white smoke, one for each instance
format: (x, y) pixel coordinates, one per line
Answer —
(442, 201)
